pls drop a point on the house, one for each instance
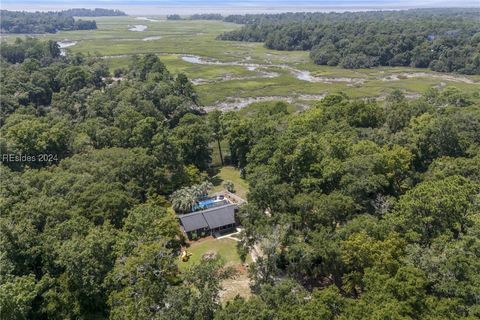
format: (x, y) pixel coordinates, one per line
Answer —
(210, 220)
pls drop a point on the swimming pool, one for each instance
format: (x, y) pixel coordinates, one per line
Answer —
(208, 203)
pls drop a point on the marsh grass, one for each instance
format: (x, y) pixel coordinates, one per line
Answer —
(198, 38)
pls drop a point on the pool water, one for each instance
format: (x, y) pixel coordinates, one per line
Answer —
(208, 203)
(205, 203)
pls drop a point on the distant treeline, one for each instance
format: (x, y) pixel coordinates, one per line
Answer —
(174, 17)
(51, 22)
(97, 12)
(41, 22)
(30, 48)
(443, 40)
(206, 16)
(466, 13)
(197, 16)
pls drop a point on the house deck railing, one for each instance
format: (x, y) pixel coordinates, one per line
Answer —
(231, 197)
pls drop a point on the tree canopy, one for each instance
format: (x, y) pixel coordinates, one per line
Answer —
(445, 40)
(357, 208)
(50, 22)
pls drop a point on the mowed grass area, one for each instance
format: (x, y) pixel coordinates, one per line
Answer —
(222, 82)
(224, 248)
(233, 174)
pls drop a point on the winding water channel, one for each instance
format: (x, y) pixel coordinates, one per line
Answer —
(301, 100)
(65, 44)
(302, 75)
(138, 28)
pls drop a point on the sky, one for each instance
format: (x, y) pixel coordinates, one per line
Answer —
(235, 6)
(432, 3)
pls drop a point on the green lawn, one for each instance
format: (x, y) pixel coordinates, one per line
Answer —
(225, 248)
(232, 174)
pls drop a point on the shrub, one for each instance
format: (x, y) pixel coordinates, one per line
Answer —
(229, 186)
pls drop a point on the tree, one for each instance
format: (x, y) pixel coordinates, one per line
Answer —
(323, 210)
(184, 87)
(449, 267)
(139, 281)
(450, 166)
(357, 209)
(402, 296)
(360, 252)
(174, 17)
(214, 120)
(43, 22)
(324, 55)
(147, 223)
(263, 271)
(85, 262)
(431, 137)
(193, 136)
(74, 78)
(198, 296)
(433, 208)
(229, 186)
(445, 43)
(34, 136)
(183, 200)
(239, 308)
(16, 296)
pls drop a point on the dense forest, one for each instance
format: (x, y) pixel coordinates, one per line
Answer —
(206, 16)
(445, 40)
(197, 16)
(86, 229)
(97, 12)
(51, 22)
(362, 209)
(174, 17)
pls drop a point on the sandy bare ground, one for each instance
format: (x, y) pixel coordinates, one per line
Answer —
(239, 285)
(152, 38)
(116, 56)
(406, 95)
(65, 44)
(239, 103)
(435, 75)
(231, 77)
(147, 19)
(138, 28)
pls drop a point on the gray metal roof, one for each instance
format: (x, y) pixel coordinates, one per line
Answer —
(193, 221)
(222, 216)
(209, 218)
